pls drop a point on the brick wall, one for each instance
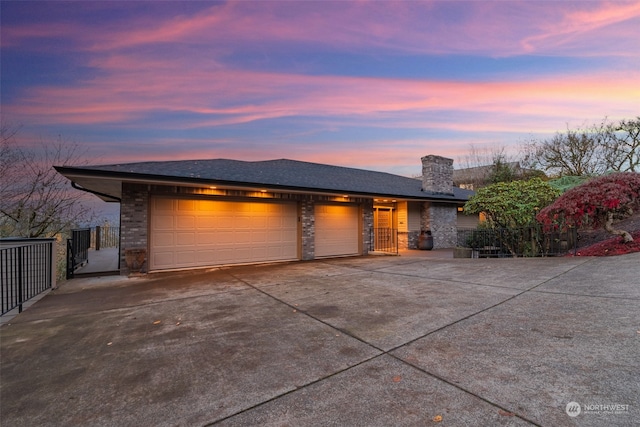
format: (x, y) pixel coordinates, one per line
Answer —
(134, 212)
(367, 226)
(307, 221)
(437, 175)
(408, 239)
(441, 219)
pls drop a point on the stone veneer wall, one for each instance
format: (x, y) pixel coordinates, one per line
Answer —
(134, 213)
(437, 175)
(408, 239)
(442, 220)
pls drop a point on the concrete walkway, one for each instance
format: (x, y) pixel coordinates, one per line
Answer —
(371, 341)
(100, 262)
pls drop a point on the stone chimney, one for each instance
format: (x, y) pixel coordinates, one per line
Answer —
(437, 175)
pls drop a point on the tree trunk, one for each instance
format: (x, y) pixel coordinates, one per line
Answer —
(609, 227)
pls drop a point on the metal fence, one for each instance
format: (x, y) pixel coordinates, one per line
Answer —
(105, 237)
(384, 240)
(78, 249)
(26, 270)
(517, 242)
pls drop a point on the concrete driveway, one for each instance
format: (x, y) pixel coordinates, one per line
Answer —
(371, 341)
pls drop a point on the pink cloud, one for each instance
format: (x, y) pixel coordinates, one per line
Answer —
(488, 28)
(132, 83)
(220, 97)
(588, 26)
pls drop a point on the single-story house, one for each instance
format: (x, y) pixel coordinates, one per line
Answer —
(202, 213)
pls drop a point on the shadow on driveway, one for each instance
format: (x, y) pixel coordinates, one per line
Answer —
(373, 341)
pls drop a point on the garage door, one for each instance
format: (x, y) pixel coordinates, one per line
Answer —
(198, 233)
(337, 230)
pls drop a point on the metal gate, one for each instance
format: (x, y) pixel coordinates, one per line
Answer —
(78, 250)
(385, 240)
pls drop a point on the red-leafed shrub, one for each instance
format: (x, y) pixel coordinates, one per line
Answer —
(612, 247)
(596, 203)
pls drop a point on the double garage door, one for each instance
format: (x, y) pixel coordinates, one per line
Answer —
(188, 233)
(197, 233)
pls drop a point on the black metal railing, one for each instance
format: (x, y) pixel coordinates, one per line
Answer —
(517, 242)
(78, 249)
(103, 237)
(384, 240)
(26, 270)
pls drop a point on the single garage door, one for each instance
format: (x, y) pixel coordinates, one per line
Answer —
(337, 230)
(199, 233)
(467, 221)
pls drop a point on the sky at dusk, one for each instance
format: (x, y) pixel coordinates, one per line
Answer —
(367, 84)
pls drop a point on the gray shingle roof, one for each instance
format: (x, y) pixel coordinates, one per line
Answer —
(282, 173)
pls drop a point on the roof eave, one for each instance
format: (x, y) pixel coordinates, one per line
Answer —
(75, 174)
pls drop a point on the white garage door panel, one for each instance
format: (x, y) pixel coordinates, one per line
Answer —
(193, 233)
(337, 230)
(161, 258)
(164, 239)
(185, 256)
(186, 222)
(187, 205)
(163, 205)
(164, 222)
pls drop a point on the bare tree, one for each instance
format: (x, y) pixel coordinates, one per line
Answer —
(481, 156)
(476, 166)
(36, 201)
(622, 145)
(8, 156)
(588, 150)
(572, 153)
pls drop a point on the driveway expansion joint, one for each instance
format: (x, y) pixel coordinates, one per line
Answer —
(475, 360)
(382, 353)
(390, 351)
